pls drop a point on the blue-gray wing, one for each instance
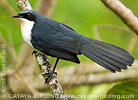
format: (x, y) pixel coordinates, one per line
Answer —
(57, 40)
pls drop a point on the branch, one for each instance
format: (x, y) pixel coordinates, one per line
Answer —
(133, 37)
(23, 5)
(8, 8)
(98, 76)
(124, 13)
(91, 74)
(45, 7)
(53, 83)
(43, 62)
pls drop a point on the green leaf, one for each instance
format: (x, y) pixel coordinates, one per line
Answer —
(127, 90)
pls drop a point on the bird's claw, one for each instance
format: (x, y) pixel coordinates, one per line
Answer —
(34, 52)
(49, 76)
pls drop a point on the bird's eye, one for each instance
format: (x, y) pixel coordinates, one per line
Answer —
(28, 14)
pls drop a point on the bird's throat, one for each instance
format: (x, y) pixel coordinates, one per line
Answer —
(26, 29)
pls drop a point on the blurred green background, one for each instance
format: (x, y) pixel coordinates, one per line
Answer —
(87, 17)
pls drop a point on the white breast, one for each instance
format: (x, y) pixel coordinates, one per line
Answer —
(26, 27)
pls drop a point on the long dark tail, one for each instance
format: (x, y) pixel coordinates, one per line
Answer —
(109, 56)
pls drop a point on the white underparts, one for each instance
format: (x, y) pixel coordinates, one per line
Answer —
(26, 27)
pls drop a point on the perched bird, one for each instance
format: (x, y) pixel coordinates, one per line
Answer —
(59, 40)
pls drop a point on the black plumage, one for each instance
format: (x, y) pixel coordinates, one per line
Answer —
(61, 41)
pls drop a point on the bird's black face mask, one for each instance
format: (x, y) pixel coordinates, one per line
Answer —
(27, 16)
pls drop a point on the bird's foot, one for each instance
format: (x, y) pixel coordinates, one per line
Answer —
(49, 76)
(34, 52)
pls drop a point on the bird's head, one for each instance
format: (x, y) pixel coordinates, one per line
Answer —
(26, 14)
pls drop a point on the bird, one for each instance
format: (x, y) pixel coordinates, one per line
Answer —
(58, 40)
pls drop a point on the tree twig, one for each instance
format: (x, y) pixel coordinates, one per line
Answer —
(23, 5)
(124, 13)
(8, 8)
(133, 37)
(91, 74)
(53, 83)
(101, 76)
(45, 7)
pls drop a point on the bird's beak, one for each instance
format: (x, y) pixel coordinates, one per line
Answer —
(16, 16)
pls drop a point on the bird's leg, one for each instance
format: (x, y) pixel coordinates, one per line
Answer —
(52, 72)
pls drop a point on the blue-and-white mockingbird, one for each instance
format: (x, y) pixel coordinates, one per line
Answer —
(59, 40)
